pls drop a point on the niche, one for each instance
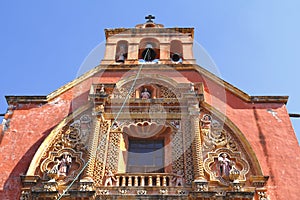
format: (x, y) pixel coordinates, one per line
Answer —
(149, 50)
(176, 51)
(121, 51)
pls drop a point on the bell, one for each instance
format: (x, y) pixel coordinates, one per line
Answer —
(121, 58)
(175, 57)
(149, 54)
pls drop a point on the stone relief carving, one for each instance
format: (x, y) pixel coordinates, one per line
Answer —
(63, 158)
(225, 166)
(109, 178)
(62, 166)
(178, 179)
(215, 135)
(75, 135)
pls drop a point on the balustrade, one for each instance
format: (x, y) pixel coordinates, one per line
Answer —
(145, 179)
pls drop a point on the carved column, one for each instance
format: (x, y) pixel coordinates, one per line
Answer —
(200, 183)
(196, 145)
(93, 143)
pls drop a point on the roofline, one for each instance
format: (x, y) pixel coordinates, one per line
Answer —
(125, 67)
(115, 31)
(26, 99)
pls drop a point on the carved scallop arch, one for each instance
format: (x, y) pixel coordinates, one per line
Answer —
(243, 144)
(48, 145)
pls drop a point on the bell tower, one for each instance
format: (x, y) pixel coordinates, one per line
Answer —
(149, 43)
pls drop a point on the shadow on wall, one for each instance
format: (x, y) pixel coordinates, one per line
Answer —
(12, 186)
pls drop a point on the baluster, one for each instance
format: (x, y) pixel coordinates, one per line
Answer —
(136, 181)
(169, 181)
(142, 181)
(157, 180)
(150, 181)
(164, 181)
(123, 181)
(117, 180)
(129, 180)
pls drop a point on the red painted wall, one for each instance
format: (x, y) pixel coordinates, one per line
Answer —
(273, 140)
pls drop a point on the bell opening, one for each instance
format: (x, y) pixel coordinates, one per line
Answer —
(149, 54)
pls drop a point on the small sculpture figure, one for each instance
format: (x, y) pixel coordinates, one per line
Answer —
(206, 121)
(234, 174)
(177, 124)
(145, 94)
(178, 178)
(99, 111)
(115, 125)
(102, 92)
(54, 169)
(64, 165)
(224, 165)
(110, 177)
(192, 88)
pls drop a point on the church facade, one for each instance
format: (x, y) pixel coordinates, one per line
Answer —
(148, 123)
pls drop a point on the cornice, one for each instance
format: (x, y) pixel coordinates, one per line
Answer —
(115, 31)
(126, 67)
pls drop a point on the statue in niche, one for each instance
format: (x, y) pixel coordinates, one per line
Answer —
(102, 92)
(110, 177)
(63, 165)
(145, 94)
(60, 168)
(192, 88)
(224, 166)
(178, 178)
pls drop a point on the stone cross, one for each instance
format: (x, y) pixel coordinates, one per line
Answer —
(150, 17)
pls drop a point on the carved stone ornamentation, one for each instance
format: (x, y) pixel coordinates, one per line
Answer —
(144, 129)
(50, 186)
(177, 152)
(200, 185)
(226, 167)
(262, 195)
(86, 186)
(141, 192)
(25, 195)
(163, 191)
(215, 135)
(188, 155)
(102, 134)
(123, 191)
(113, 151)
(62, 166)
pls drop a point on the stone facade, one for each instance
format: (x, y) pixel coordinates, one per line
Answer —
(217, 142)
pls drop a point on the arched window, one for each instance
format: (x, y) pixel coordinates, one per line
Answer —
(176, 53)
(121, 51)
(149, 50)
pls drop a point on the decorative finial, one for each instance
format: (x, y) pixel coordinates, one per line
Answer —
(150, 17)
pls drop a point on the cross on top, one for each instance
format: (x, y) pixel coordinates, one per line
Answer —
(149, 17)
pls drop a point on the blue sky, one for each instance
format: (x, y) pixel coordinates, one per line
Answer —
(255, 44)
